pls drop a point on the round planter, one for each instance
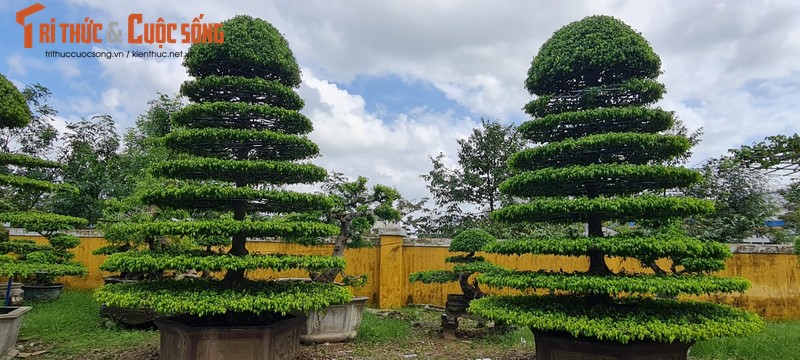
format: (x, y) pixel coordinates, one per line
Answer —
(456, 304)
(16, 293)
(561, 346)
(129, 318)
(335, 323)
(42, 293)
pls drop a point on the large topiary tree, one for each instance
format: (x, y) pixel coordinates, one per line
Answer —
(240, 141)
(39, 264)
(600, 159)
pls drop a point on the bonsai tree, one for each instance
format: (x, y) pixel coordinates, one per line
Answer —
(600, 159)
(39, 264)
(239, 142)
(469, 242)
(355, 210)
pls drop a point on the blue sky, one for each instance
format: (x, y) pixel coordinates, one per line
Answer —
(389, 84)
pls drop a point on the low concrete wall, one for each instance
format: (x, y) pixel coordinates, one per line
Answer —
(774, 272)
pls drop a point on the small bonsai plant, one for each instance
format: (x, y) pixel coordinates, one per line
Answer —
(603, 157)
(466, 266)
(238, 143)
(469, 242)
(38, 264)
(356, 209)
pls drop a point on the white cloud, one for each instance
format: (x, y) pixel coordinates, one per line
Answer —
(729, 67)
(393, 152)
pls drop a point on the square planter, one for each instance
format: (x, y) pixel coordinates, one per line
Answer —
(335, 323)
(10, 320)
(558, 346)
(16, 293)
(278, 341)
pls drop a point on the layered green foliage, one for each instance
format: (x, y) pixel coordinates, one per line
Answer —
(231, 152)
(627, 320)
(37, 263)
(253, 48)
(223, 228)
(137, 261)
(202, 297)
(597, 50)
(603, 156)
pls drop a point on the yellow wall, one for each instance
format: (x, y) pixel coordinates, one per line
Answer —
(774, 292)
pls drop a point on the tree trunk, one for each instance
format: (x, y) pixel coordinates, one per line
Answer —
(597, 262)
(238, 241)
(597, 259)
(329, 275)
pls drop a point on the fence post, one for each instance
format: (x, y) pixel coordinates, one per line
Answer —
(391, 280)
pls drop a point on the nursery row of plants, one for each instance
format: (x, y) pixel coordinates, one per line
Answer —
(223, 168)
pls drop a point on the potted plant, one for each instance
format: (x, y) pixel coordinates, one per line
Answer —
(467, 241)
(604, 156)
(356, 209)
(240, 141)
(54, 261)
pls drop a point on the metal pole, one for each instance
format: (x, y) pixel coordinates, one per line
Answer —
(8, 290)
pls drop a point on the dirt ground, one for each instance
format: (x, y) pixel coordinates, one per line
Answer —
(421, 339)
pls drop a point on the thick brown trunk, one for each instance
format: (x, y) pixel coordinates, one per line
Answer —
(329, 275)
(238, 241)
(597, 259)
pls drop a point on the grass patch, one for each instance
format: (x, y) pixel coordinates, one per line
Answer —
(71, 326)
(380, 329)
(513, 338)
(779, 340)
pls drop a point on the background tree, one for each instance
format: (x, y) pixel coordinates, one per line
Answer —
(742, 201)
(780, 155)
(37, 263)
(237, 144)
(143, 143)
(603, 146)
(465, 195)
(792, 206)
(774, 153)
(90, 155)
(143, 146)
